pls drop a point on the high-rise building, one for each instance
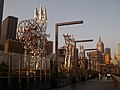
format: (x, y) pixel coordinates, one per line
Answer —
(100, 46)
(108, 51)
(107, 59)
(9, 28)
(118, 48)
(1, 13)
(107, 55)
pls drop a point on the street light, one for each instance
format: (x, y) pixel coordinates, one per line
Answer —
(56, 39)
(78, 41)
(91, 49)
(75, 59)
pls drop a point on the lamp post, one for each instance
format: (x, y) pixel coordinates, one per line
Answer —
(91, 49)
(56, 39)
(75, 58)
(79, 41)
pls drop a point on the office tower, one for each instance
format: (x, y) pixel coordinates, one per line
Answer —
(100, 46)
(9, 28)
(108, 51)
(107, 55)
(1, 13)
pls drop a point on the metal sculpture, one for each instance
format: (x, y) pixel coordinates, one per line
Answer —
(32, 36)
(69, 51)
(81, 57)
(28, 31)
(40, 16)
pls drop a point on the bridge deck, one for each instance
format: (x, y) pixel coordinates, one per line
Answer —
(91, 85)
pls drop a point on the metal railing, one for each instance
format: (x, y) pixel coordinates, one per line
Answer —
(116, 80)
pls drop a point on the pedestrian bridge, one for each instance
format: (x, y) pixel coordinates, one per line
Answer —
(104, 83)
(93, 84)
(112, 83)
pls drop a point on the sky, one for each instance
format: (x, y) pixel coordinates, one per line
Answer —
(101, 19)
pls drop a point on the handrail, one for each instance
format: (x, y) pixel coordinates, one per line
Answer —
(116, 80)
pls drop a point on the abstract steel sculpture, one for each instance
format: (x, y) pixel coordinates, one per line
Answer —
(69, 51)
(32, 36)
(81, 57)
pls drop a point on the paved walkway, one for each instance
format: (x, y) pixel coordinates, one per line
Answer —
(91, 85)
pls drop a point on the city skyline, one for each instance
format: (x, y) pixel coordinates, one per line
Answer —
(101, 18)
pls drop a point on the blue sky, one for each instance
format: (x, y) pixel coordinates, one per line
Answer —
(101, 18)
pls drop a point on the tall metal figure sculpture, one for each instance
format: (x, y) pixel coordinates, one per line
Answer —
(40, 16)
(81, 57)
(32, 36)
(69, 51)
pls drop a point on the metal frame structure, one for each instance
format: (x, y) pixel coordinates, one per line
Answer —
(79, 41)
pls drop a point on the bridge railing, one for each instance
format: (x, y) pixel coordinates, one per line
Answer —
(116, 80)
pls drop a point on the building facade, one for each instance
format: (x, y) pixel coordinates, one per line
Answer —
(107, 55)
(95, 58)
(108, 51)
(13, 50)
(100, 46)
(9, 28)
